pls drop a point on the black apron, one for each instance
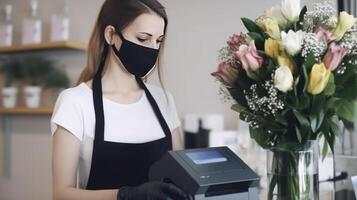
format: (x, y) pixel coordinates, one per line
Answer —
(123, 164)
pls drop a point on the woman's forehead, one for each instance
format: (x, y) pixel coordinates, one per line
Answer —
(148, 23)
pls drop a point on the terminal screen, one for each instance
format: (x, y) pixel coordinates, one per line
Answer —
(206, 157)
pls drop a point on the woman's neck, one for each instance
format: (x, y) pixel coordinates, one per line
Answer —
(116, 79)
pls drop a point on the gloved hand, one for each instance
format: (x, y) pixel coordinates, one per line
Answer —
(152, 191)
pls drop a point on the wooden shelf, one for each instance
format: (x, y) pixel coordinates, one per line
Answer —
(24, 110)
(67, 44)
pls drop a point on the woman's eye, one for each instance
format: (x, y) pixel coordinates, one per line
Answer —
(141, 39)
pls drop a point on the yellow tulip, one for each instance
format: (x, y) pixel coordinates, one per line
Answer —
(272, 48)
(345, 22)
(284, 60)
(318, 80)
(270, 26)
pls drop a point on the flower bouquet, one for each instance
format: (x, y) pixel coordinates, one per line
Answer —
(293, 77)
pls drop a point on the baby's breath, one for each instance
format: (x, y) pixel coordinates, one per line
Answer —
(314, 45)
(319, 15)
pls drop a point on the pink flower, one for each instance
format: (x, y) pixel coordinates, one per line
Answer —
(249, 57)
(226, 73)
(334, 56)
(325, 34)
(236, 40)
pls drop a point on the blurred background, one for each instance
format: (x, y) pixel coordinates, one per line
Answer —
(197, 30)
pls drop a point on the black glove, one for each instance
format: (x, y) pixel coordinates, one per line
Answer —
(152, 191)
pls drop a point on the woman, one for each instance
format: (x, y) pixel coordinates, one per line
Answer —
(112, 126)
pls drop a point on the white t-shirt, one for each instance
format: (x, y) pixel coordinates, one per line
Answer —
(125, 123)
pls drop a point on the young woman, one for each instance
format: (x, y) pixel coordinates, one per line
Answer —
(112, 126)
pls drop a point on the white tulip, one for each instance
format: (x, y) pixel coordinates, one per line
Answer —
(283, 79)
(292, 41)
(275, 12)
(291, 9)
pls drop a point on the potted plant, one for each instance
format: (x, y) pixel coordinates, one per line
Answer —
(36, 69)
(56, 81)
(11, 69)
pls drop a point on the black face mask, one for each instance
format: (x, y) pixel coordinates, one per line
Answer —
(137, 60)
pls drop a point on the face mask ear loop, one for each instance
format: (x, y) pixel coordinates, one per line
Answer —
(113, 45)
(121, 36)
(102, 60)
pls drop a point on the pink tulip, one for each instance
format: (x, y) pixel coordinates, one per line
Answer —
(249, 57)
(226, 73)
(236, 40)
(334, 56)
(327, 35)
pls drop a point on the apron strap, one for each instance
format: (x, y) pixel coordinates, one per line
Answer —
(98, 98)
(156, 108)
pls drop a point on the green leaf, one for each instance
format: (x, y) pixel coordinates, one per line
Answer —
(320, 119)
(238, 108)
(243, 81)
(331, 87)
(330, 140)
(262, 53)
(324, 150)
(334, 132)
(296, 82)
(331, 102)
(298, 134)
(313, 122)
(259, 136)
(318, 103)
(325, 127)
(309, 62)
(298, 102)
(251, 25)
(348, 90)
(289, 26)
(266, 71)
(306, 77)
(304, 125)
(349, 126)
(346, 109)
(258, 40)
(317, 113)
(304, 101)
(281, 119)
(252, 75)
(238, 95)
(335, 128)
(302, 120)
(301, 17)
(341, 79)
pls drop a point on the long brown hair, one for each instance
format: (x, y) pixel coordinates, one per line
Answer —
(118, 13)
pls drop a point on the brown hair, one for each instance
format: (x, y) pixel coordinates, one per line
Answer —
(118, 13)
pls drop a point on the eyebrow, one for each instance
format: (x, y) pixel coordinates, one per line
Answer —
(150, 34)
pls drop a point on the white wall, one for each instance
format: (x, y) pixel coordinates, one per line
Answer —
(197, 30)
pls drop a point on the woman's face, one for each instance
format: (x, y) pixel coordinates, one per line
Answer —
(146, 30)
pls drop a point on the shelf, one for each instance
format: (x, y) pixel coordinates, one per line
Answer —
(67, 44)
(24, 110)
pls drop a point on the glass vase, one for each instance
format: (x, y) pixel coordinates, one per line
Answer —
(293, 173)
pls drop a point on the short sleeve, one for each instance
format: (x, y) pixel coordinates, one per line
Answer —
(172, 111)
(68, 114)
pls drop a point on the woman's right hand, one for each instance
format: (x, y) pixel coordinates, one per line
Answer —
(152, 191)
